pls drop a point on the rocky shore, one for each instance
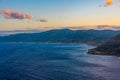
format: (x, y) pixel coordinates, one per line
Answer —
(111, 47)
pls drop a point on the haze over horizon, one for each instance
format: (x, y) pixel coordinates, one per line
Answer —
(55, 14)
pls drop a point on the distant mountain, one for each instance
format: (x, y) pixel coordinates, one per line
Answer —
(4, 33)
(112, 47)
(63, 35)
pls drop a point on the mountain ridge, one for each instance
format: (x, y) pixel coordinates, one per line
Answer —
(63, 35)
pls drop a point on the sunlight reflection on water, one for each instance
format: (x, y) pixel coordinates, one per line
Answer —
(55, 62)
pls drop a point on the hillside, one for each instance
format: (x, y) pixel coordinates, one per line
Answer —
(63, 35)
(112, 47)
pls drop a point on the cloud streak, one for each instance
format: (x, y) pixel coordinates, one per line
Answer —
(116, 27)
(43, 20)
(9, 14)
(102, 27)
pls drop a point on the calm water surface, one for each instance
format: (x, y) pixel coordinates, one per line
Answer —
(32, 61)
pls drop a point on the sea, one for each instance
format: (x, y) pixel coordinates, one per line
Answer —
(55, 61)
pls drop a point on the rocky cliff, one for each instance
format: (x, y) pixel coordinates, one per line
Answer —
(111, 47)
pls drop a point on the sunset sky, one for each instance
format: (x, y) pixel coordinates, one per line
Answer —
(52, 14)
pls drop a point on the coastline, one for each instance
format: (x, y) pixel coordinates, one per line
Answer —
(95, 52)
(90, 51)
(86, 43)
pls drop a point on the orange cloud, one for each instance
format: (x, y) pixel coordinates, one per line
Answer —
(28, 16)
(109, 2)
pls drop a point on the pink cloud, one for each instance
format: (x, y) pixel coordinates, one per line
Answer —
(43, 20)
(9, 14)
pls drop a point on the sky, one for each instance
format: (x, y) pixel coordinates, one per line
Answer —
(53, 14)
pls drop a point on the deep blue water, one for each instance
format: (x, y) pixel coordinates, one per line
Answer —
(32, 61)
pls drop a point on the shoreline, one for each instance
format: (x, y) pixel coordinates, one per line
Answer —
(55, 43)
(89, 50)
(94, 52)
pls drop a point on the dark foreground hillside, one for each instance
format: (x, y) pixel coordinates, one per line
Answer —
(112, 47)
(63, 36)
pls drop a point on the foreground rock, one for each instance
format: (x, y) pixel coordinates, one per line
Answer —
(112, 47)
